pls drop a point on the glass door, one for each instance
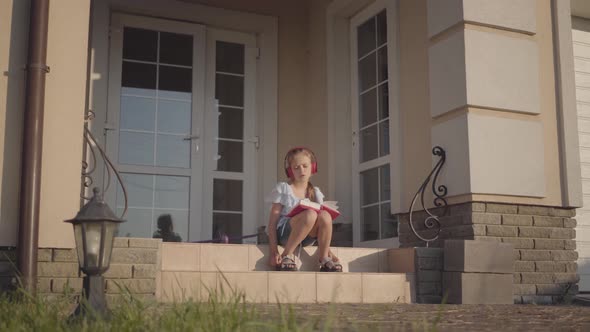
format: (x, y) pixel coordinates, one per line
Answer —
(154, 124)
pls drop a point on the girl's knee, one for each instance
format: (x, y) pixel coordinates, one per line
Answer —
(324, 217)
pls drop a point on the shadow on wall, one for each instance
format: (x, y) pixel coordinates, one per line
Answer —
(13, 121)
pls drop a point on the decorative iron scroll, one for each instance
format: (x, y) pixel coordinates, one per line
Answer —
(87, 169)
(431, 222)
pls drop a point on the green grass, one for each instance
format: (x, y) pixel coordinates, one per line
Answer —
(222, 312)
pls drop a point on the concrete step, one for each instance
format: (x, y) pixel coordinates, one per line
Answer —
(207, 257)
(288, 287)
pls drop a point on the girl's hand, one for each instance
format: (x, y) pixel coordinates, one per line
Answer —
(274, 259)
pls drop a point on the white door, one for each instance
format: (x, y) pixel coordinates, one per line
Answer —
(581, 39)
(179, 111)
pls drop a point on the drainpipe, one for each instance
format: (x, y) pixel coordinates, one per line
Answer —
(30, 189)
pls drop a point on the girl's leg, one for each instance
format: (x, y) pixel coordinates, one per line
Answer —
(301, 225)
(322, 230)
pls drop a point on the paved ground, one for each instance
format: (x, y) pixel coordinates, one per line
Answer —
(428, 317)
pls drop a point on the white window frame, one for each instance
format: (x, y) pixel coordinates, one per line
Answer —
(340, 77)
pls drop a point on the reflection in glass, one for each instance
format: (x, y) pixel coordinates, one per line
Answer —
(136, 148)
(140, 44)
(231, 156)
(138, 75)
(229, 90)
(227, 224)
(175, 79)
(368, 109)
(174, 117)
(383, 101)
(369, 186)
(173, 151)
(368, 143)
(231, 123)
(383, 138)
(366, 37)
(367, 72)
(138, 113)
(176, 49)
(381, 28)
(382, 64)
(370, 223)
(227, 195)
(171, 225)
(385, 192)
(388, 222)
(172, 192)
(229, 57)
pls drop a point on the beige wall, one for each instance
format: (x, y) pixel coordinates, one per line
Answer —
(14, 19)
(65, 93)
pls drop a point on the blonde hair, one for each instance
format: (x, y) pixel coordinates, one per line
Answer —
(309, 191)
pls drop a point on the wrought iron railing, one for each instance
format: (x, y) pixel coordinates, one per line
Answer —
(432, 221)
(92, 145)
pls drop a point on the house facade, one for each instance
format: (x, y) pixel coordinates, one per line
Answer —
(196, 102)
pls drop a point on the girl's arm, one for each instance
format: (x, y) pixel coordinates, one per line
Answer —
(275, 213)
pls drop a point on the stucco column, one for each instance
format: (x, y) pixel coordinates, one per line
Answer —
(64, 120)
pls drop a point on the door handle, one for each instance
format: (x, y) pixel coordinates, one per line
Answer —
(191, 137)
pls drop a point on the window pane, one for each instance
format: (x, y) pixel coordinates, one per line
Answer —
(370, 186)
(370, 223)
(383, 101)
(231, 155)
(228, 224)
(227, 195)
(229, 90)
(229, 57)
(172, 192)
(388, 222)
(174, 117)
(385, 192)
(382, 64)
(366, 37)
(368, 147)
(179, 222)
(367, 72)
(173, 151)
(381, 28)
(139, 188)
(140, 44)
(138, 113)
(368, 107)
(138, 75)
(384, 138)
(175, 79)
(231, 123)
(176, 49)
(138, 223)
(136, 148)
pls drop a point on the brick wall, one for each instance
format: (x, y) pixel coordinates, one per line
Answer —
(134, 266)
(428, 266)
(543, 239)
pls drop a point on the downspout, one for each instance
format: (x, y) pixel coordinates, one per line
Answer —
(30, 189)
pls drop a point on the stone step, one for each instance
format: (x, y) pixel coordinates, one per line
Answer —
(208, 257)
(288, 287)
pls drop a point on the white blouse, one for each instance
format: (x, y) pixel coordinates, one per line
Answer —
(283, 193)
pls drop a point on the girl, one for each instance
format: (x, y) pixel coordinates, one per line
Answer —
(304, 228)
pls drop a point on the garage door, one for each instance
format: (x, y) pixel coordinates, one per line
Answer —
(581, 38)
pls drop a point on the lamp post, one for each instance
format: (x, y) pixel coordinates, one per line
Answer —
(95, 226)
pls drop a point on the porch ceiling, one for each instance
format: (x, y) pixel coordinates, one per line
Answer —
(265, 7)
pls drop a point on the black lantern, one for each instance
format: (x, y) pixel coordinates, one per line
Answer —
(95, 226)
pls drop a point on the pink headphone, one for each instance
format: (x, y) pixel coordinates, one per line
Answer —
(314, 164)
